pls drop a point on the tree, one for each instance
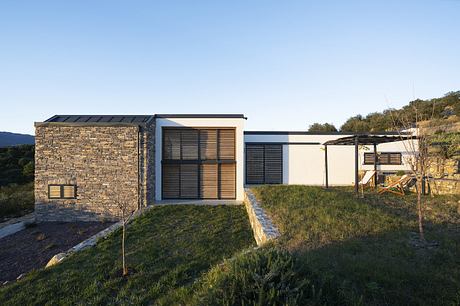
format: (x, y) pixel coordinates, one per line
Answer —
(322, 127)
(120, 199)
(356, 124)
(416, 141)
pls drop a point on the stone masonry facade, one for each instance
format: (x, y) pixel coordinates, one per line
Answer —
(108, 164)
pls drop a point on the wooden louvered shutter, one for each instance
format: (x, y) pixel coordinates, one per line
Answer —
(208, 144)
(227, 181)
(189, 181)
(208, 181)
(171, 181)
(368, 158)
(254, 164)
(273, 164)
(395, 158)
(171, 144)
(189, 141)
(54, 191)
(227, 144)
(69, 191)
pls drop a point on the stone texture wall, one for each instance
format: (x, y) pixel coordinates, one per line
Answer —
(108, 164)
(446, 177)
(262, 226)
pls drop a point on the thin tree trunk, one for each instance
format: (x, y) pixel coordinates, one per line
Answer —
(419, 208)
(125, 271)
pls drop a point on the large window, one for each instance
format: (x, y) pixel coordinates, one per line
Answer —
(384, 158)
(199, 163)
(264, 164)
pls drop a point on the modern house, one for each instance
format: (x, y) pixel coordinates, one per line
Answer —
(84, 165)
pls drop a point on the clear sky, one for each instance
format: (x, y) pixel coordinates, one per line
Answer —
(284, 64)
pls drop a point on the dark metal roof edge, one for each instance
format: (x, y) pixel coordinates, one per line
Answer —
(95, 115)
(240, 116)
(315, 133)
(36, 124)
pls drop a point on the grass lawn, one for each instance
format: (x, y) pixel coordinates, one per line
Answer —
(364, 251)
(168, 248)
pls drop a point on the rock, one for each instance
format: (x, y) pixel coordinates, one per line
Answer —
(56, 259)
(5, 283)
(20, 276)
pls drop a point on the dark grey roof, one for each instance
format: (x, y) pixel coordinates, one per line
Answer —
(200, 116)
(135, 119)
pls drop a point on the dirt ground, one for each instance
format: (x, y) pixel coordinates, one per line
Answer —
(33, 247)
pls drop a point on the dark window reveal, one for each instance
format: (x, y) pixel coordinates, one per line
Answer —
(384, 158)
(62, 191)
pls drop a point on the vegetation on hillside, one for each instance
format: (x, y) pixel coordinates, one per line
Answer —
(437, 108)
(322, 127)
(365, 251)
(16, 181)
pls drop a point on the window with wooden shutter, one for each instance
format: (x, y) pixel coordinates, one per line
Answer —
(264, 164)
(62, 191)
(199, 163)
(384, 158)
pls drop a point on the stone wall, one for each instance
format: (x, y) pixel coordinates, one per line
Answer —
(446, 176)
(108, 164)
(262, 226)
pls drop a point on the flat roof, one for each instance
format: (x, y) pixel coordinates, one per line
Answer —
(313, 133)
(366, 139)
(240, 116)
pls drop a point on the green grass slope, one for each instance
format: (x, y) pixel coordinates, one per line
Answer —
(168, 248)
(366, 251)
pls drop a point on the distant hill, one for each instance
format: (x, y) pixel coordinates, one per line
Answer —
(8, 139)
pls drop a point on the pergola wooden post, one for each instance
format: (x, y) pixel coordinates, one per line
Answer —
(356, 164)
(376, 158)
(325, 166)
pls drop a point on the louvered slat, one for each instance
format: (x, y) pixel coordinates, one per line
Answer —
(189, 142)
(208, 184)
(171, 144)
(273, 164)
(227, 181)
(54, 192)
(171, 181)
(208, 144)
(255, 164)
(69, 191)
(227, 144)
(189, 181)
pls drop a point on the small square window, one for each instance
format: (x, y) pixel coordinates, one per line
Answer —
(61, 191)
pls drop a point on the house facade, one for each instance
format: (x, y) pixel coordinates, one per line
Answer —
(86, 165)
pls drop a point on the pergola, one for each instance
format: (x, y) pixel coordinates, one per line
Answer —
(361, 139)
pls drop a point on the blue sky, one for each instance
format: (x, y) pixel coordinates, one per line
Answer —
(284, 64)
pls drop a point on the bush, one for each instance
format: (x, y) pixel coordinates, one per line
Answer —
(16, 200)
(265, 276)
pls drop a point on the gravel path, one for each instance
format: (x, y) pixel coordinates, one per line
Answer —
(33, 247)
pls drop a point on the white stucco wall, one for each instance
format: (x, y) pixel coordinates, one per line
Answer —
(304, 163)
(237, 123)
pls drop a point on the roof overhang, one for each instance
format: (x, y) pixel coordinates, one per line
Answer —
(368, 139)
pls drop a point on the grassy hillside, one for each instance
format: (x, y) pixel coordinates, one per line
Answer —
(366, 251)
(168, 248)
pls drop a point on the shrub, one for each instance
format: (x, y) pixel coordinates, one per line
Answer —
(265, 276)
(16, 200)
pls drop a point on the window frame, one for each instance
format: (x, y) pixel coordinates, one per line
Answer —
(61, 191)
(265, 181)
(200, 160)
(379, 160)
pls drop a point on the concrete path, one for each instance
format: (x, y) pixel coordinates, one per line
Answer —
(15, 225)
(198, 202)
